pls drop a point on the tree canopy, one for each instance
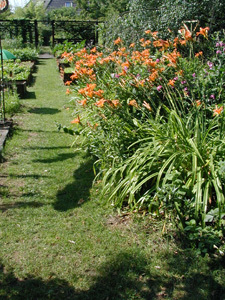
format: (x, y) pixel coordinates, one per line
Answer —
(99, 9)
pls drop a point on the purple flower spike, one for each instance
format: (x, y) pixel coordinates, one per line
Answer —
(194, 75)
(212, 97)
(183, 82)
(175, 78)
(218, 52)
(157, 60)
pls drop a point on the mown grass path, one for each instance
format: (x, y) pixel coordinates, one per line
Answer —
(57, 241)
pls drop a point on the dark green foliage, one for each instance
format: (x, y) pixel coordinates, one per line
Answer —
(95, 9)
(161, 16)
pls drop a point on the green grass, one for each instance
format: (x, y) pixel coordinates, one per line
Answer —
(57, 241)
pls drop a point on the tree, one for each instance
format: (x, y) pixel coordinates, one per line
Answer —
(31, 12)
(99, 9)
(64, 13)
(161, 16)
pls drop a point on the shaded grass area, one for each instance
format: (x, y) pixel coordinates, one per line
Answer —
(57, 241)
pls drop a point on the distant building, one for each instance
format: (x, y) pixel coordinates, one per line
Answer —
(54, 4)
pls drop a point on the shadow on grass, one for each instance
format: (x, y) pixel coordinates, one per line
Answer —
(127, 276)
(35, 176)
(59, 157)
(46, 147)
(44, 110)
(76, 193)
(30, 95)
(41, 62)
(7, 206)
(19, 131)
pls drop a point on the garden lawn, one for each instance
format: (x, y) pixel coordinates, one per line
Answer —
(57, 241)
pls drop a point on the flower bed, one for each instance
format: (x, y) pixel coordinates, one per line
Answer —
(153, 116)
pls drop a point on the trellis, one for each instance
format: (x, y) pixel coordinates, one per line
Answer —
(57, 31)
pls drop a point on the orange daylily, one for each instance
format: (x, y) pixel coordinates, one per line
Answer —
(133, 103)
(145, 104)
(154, 34)
(100, 103)
(217, 111)
(186, 34)
(116, 103)
(198, 103)
(68, 91)
(68, 82)
(200, 53)
(83, 102)
(153, 76)
(118, 41)
(76, 120)
(93, 50)
(74, 76)
(171, 82)
(203, 31)
(146, 43)
(98, 93)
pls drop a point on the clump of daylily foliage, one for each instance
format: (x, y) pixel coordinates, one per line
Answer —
(153, 116)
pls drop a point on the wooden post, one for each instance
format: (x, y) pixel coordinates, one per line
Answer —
(96, 33)
(36, 33)
(30, 32)
(53, 33)
(24, 31)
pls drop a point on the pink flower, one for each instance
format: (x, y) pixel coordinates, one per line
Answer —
(159, 88)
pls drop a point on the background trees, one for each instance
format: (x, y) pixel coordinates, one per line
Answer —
(161, 16)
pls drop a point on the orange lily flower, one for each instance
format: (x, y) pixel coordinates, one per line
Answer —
(118, 41)
(171, 82)
(200, 53)
(98, 93)
(133, 103)
(83, 102)
(68, 91)
(93, 50)
(68, 82)
(154, 34)
(153, 76)
(116, 103)
(146, 43)
(198, 103)
(76, 120)
(186, 34)
(203, 31)
(217, 111)
(145, 104)
(100, 103)
(74, 76)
